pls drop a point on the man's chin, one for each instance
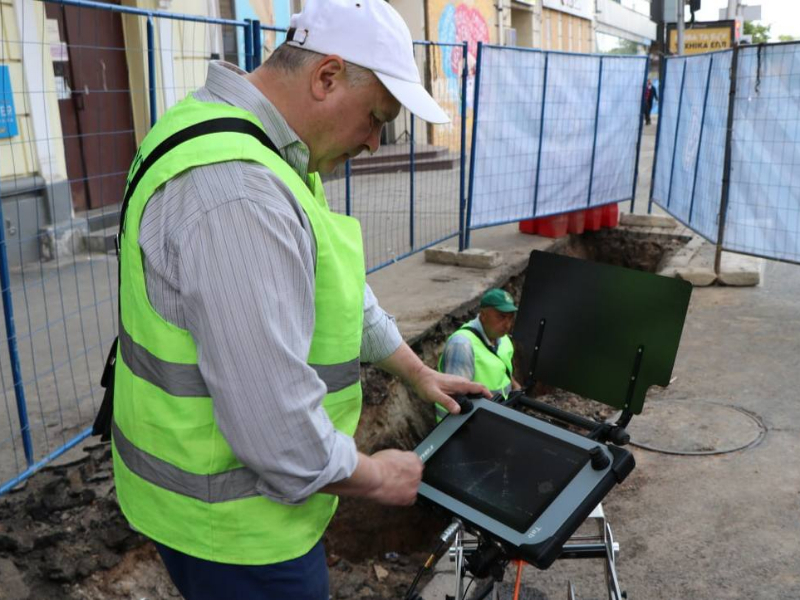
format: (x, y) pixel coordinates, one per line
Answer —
(330, 166)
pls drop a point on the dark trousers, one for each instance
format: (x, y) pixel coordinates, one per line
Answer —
(304, 578)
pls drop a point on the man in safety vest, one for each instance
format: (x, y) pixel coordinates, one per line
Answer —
(481, 350)
(244, 312)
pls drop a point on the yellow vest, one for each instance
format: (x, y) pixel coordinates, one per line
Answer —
(178, 482)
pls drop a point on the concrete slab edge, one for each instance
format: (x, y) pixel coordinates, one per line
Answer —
(474, 258)
(634, 220)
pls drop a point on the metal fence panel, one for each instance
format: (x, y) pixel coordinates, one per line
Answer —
(688, 137)
(691, 147)
(618, 129)
(508, 130)
(569, 117)
(86, 83)
(704, 208)
(556, 132)
(763, 215)
(672, 92)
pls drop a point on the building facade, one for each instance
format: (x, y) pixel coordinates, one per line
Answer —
(624, 26)
(76, 95)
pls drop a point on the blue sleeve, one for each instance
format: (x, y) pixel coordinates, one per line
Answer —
(458, 358)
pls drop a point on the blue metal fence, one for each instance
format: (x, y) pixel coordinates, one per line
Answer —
(554, 132)
(57, 273)
(728, 151)
(57, 267)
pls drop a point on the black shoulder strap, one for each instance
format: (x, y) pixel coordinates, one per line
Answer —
(221, 125)
(488, 346)
(102, 424)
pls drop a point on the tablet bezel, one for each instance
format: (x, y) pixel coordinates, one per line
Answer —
(562, 507)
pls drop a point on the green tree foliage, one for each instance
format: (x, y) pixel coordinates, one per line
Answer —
(760, 33)
(786, 38)
(626, 47)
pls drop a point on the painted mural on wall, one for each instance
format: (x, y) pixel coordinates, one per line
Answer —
(454, 23)
(450, 22)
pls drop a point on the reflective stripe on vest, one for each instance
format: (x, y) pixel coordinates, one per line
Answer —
(218, 487)
(178, 481)
(179, 379)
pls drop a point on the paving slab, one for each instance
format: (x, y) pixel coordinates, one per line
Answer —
(477, 258)
(635, 220)
(740, 270)
(419, 293)
(695, 263)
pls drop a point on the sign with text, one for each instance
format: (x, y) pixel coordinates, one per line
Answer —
(8, 116)
(579, 8)
(703, 37)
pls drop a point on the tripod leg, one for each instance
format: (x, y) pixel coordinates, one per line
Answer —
(459, 546)
(614, 592)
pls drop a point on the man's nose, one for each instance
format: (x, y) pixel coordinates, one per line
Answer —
(373, 141)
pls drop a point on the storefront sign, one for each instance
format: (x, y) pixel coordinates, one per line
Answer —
(8, 116)
(703, 37)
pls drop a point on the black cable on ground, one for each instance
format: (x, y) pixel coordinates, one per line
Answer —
(444, 541)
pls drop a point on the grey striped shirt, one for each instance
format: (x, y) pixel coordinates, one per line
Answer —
(229, 256)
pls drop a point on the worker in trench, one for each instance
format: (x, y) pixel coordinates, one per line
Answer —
(481, 349)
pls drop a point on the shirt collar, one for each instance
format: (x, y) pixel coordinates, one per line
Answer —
(227, 81)
(478, 326)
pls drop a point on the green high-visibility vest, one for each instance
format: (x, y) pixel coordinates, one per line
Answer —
(491, 369)
(178, 482)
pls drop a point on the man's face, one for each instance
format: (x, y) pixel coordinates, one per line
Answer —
(495, 323)
(358, 115)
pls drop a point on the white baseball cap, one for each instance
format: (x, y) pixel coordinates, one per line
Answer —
(370, 34)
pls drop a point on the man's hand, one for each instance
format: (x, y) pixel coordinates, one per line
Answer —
(389, 477)
(442, 387)
(400, 475)
(428, 384)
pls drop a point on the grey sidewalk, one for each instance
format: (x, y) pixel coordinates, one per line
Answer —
(710, 527)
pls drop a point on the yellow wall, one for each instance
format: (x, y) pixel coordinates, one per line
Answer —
(188, 53)
(565, 32)
(18, 156)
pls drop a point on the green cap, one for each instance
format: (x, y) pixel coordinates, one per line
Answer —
(498, 299)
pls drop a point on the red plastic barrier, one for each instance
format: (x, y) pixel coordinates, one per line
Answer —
(528, 226)
(576, 221)
(594, 219)
(553, 227)
(610, 216)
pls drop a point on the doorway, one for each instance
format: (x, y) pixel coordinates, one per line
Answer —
(94, 102)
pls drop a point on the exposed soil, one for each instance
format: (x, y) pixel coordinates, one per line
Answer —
(643, 251)
(62, 534)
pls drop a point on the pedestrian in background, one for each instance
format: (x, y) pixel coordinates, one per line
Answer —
(650, 95)
(244, 312)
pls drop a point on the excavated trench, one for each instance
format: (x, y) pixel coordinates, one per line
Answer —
(392, 418)
(62, 536)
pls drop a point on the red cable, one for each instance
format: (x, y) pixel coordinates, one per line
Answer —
(519, 579)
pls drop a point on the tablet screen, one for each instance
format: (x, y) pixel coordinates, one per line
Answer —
(504, 469)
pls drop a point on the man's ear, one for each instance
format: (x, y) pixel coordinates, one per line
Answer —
(326, 76)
